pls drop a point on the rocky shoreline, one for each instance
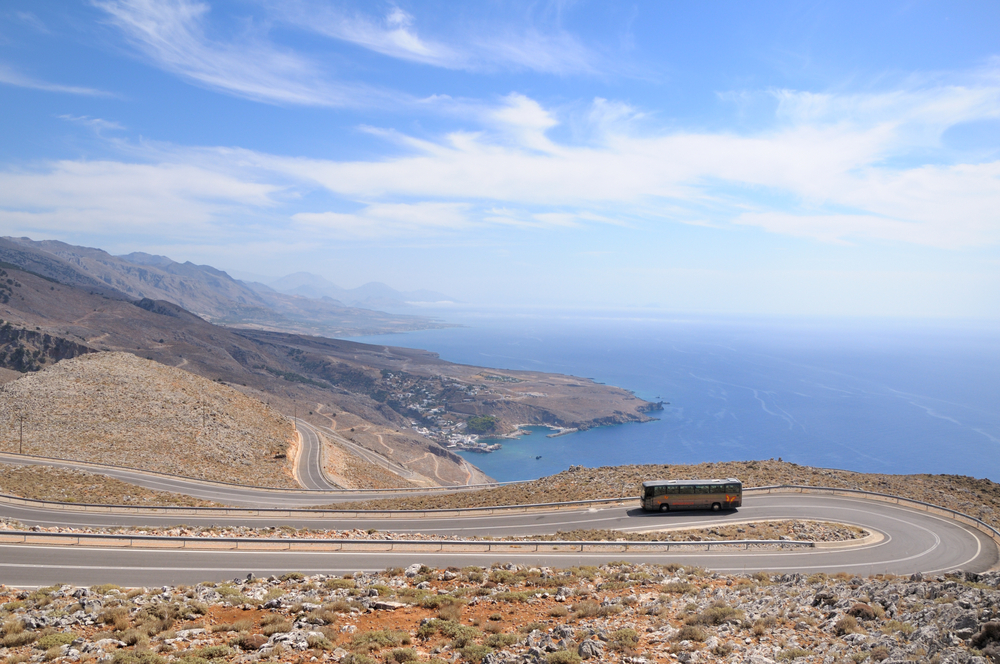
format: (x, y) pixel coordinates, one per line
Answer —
(509, 614)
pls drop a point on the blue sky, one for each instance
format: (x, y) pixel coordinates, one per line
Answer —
(799, 158)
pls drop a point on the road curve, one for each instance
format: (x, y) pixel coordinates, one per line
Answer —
(310, 462)
(911, 541)
(318, 490)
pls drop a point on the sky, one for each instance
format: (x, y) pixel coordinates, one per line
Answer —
(775, 158)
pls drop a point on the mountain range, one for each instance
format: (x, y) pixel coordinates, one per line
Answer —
(214, 295)
(373, 295)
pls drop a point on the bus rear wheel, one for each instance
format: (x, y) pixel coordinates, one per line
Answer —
(716, 507)
(664, 507)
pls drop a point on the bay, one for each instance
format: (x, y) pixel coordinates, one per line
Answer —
(872, 396)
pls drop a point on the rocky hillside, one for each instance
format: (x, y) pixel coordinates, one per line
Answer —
(172, 336)
(116, 408)
(509, 614)
(202, 289)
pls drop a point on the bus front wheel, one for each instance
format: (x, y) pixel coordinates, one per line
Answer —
(716, 507)
(664, 507)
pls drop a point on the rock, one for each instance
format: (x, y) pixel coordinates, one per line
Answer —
(386, 605)
(590, 649)
(413, 570)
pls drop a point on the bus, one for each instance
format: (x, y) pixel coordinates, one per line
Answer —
(666, 495)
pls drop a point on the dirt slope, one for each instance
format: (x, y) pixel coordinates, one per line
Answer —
(119, 409)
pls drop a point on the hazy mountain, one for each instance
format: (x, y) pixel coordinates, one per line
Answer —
(202, 289)
(371, 295)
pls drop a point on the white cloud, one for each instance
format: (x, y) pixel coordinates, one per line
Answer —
(826, 180)
(834, 181)
(172, 34)
(382, 219)
(10, 76)
(521, 42)
(113, 197)
(392, 34)
(96, 124)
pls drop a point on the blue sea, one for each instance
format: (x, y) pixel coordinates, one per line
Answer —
(873, 396)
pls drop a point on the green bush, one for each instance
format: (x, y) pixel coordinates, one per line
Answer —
(55, 640)
(475, 653)
(624, 640)
(136, 657)
(562, 657)
(402, 655)
(502, 640)
(378, 639)
(213, 652)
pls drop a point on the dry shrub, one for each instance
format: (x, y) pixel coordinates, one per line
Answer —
(690, 633)
(846, 625)
(276, 627)
(116, 617)
(862, 611)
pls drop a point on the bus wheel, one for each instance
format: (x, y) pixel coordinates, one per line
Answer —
(716, 507)
(664, 507)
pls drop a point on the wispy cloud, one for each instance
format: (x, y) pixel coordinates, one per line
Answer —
(521, 42)
(109, 197)
(856, 175)
(98, 125)
(392, 33)
(32, 21)
(11, 76)
(384, 219)
(830, 178)
(173, 35)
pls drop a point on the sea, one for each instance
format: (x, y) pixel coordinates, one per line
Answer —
(882, 396)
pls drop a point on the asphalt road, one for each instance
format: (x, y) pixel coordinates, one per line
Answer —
(310, 463)
(318, 491)
(912, 541)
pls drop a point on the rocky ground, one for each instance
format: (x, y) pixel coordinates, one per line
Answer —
(508, 614)
(796, 530)
(979, 498)
(116, 408)
(79, 486)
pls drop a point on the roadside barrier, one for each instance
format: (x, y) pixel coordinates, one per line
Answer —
(305, 513)
(374, 546)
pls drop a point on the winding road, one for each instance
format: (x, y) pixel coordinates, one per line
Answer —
(908, 540)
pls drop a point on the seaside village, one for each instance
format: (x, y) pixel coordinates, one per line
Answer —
(426, 401)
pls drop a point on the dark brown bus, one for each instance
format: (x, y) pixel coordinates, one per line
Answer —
(666, 495)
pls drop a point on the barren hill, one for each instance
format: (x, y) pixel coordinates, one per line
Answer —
(404, 404)
(208, 292)
(43, 319)
(119, 409)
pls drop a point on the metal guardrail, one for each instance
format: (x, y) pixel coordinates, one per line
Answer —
(348, 545)
(306, 512)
